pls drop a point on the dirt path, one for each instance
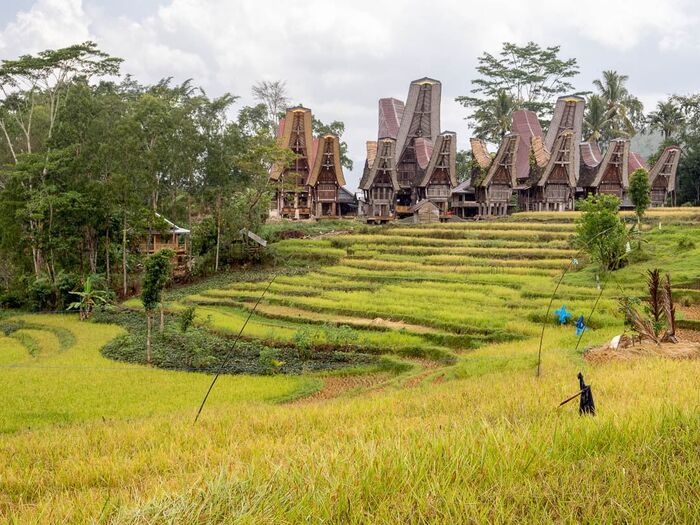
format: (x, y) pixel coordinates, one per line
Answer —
(336, 386)
(686, 349)
(297, 313)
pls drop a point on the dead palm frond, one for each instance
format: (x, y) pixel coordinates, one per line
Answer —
(669, 311)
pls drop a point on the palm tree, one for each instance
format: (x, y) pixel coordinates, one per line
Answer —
(668, 118)
(494, 119)
(595, 120)
(623, 109)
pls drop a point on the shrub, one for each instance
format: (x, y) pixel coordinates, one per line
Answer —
(186, 318)
(600, 232)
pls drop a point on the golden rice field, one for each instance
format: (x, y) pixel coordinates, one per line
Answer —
(467, 435)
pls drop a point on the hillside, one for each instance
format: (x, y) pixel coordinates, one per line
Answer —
(459, 428)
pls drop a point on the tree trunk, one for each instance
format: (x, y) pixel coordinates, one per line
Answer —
(124, 258)
(162, 315)
(218, 240)
(107, 261)
(149, 323)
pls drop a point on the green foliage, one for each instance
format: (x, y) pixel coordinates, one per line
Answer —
(519, 77)
(600, 232)
(89, 298)
(640, 191)
(623, 113)
(685, 243)
(156, 276)
(186, 318)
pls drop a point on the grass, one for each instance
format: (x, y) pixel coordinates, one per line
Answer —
(79, 384)
(477, 440)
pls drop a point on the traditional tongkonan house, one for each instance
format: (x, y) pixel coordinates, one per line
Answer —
(310, 187)
(413, 161)
(548, 173)
(553, 163)
(495, 192)
(662, 176)
(612, 176)
(380, 182)
(293, 196)
(440, 172)
(420, 121)
(556, 188)
(326, 178)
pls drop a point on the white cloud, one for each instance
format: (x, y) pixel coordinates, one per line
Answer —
(339, 57)
(48, 24)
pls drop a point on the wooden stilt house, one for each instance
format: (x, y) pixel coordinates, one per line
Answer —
(293, 197)
(381, 182)
(662, 176)
(440, 174)
(495, 192)
(556, 188)
(326, 177)
(420, 120)
(612, 176)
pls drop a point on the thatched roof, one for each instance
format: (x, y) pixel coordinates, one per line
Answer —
(390, 113)
(568, 114)
(294, 131)
(505, 159)
(540, 151)
(667, 166)
(617, 156)
(385, 161)
(421, 117)
(563, 157)
(480, 152)
(443, 157)
(424, 149)
(326, 157)
(590, 154)
(527, 125)
(635, 162)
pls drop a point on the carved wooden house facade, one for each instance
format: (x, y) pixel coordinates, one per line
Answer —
(548, 172)
(311, 186)
(414, 161)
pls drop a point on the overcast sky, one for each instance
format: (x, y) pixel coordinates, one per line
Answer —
(339, 57)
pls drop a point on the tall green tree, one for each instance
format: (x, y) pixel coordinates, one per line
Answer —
(157, 273)
(596, 121)
(640, 194)
(33, 88)
(624, 111)
(529, 76)
(667, 118)
(600, 232)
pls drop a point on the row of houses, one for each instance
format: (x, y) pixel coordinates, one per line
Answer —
(412, 164)
(410, 169)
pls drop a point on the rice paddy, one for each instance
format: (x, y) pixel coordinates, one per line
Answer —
(466, 433)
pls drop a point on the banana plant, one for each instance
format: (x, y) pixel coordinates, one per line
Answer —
(88, 299)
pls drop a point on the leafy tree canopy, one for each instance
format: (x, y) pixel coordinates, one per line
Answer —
(519, 77)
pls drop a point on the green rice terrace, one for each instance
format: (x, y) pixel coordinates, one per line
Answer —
(386, 375)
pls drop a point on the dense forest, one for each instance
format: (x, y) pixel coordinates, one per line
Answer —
(91, 161)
